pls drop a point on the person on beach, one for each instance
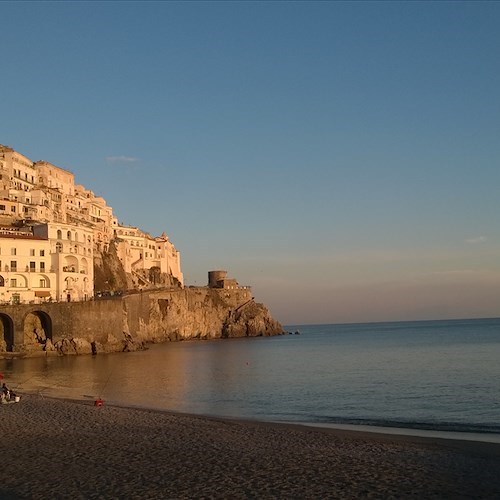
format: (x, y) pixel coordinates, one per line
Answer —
(7, 394)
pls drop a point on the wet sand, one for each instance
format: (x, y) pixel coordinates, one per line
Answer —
(53, 448)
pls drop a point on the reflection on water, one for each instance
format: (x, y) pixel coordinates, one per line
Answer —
(194, 377)
(424, 374)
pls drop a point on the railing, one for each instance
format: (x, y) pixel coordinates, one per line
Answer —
(50, 300)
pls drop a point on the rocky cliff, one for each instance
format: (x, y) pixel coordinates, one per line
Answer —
(109, 275)
(160, 311)
(163, 311)
(129, 322)
(197, 313)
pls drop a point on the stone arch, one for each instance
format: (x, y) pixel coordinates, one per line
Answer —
(46, 278)
(21, 281)
(84, 265)
(71, 264)
(37, 326)
(6, 333)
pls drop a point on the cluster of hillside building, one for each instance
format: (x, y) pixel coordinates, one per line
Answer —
(51, 229)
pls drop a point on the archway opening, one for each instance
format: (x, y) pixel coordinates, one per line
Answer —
(37, 330)
(6, 333)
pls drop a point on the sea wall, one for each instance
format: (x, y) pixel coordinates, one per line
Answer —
(131, 321)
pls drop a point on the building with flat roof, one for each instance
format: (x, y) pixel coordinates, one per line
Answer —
(69, 224)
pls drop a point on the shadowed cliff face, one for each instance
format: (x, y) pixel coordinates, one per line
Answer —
(198, 313)
(128, 322)
(251, 320)
(109, 274)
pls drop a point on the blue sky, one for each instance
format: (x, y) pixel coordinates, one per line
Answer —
(340, 157)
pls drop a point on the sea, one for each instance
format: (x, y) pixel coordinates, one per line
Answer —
(434, 376)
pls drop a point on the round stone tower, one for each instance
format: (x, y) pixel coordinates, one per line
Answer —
(215, 276)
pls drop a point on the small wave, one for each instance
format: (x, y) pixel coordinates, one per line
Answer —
(480, 428)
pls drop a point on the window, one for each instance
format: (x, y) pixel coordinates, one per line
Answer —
(13, 283)
(32, 267)
(32, 252)
(2, 207)
(2, 281)
(69, 235)
(59, 247)
(43, 283)
(42, 253)
(13, 251)
(13, 265)
(42, 267)
(13, 209)
(59, 234)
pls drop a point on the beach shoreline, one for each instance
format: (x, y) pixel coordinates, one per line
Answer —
(58, 448)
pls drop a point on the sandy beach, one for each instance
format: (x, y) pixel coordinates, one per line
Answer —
(72, 449)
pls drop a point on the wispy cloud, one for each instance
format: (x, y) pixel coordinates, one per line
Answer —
(475, 241)
(456, 272)
(121, 160)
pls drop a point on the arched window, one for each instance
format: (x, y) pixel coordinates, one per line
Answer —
(59, 234)
(69, 235)
(76, 236)
(59, 247)
(2, 281)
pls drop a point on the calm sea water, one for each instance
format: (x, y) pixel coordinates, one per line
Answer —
(442, 375)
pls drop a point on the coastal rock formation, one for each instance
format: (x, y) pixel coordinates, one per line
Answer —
(128, 322)
(110, 276)
(251, 320)
(108, 271)
(201, 313)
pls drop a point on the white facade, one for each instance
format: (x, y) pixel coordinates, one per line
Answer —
(72, 258)
(74, 223)
(26, 272)
(138, 250)
(17, 172)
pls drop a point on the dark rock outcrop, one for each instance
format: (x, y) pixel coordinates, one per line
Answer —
(109, 274)
(200, 313)
(251, 320)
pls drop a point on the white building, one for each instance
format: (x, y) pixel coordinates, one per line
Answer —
(138, 250)
(72, 258)
(74, 223)
(26, 272)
